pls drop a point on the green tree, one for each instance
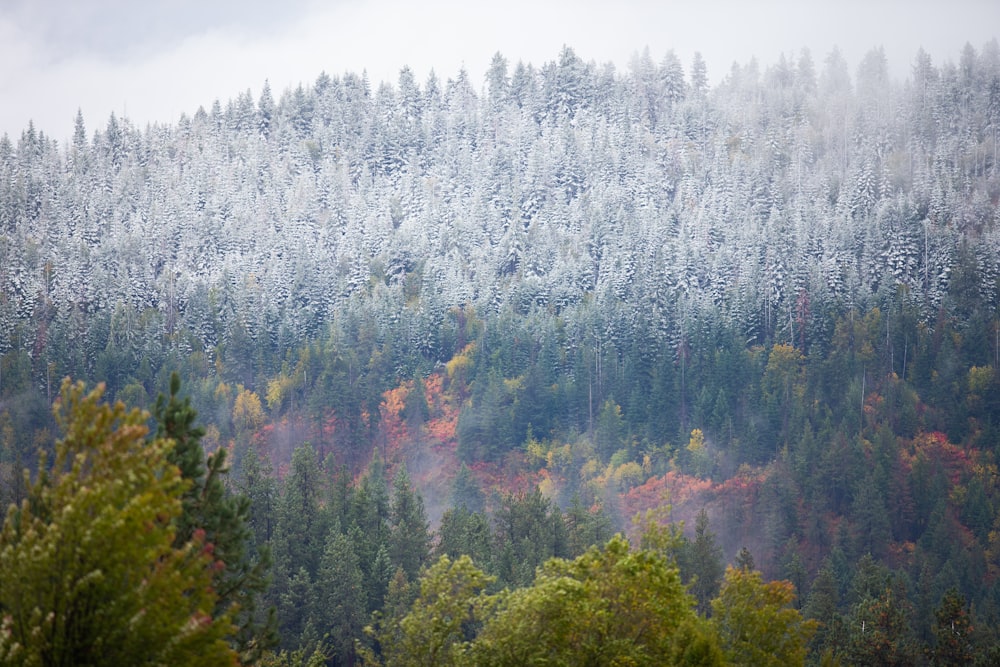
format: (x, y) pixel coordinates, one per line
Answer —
(698, 455)
(90, 573)
(465, 491)
(529, 530)
(439, 625)
(705, 560)
(259, 485)
(340, 601)
(415, 406)
(409, 533)
(368, 521)
(10, 465)
(465, 533)
(609, 432)
(952, 631)
(744, 559)
(586, 526)
(223, 519)
(757, 623)
(611, 606)
(782, 385)
(299, 541)
(660, 534)
(871, 518)
(879, 628)
(821, 605)
(301, 522)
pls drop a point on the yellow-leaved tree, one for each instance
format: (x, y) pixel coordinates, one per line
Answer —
(89, 574)
(757, 623)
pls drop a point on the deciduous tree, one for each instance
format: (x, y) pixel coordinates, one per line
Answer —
(439, 626)
(757, 623)
(611, 606)
(90, 573)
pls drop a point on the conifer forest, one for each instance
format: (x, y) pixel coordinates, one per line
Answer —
(575, 365)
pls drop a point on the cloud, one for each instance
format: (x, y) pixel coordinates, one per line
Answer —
(123, 29)
(154, 60)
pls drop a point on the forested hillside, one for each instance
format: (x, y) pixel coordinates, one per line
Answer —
(438, 318)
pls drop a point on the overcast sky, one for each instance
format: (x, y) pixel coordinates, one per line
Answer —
(152, 60)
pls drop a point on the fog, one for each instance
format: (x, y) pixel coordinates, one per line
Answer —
(152, 61)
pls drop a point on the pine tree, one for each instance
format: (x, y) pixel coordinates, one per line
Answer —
(465, 533)
(879, 628)
(301, 522)
(821, 605)
(529, 531)
(744, 560)
(585, 526)
(299, 540)
(259, 486)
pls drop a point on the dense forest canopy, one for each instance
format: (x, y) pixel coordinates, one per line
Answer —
(559, 300)
(616, 204)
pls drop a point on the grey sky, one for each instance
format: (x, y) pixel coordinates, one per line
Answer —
(153, 60)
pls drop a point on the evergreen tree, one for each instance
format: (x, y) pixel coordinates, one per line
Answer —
(705, 558)
(744, 560)
(465, 491)
(222, 518)
(822, 606)
(952, 632)
(585, 527)
(340, 602)
(609, 430)
(259, 485)
(699, 75)
(301, 523)
(529, 530)
(409, 533)
(465, 533)
(879, 629)
(369, 515)
(299, 540)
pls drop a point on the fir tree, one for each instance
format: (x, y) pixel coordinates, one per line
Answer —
(409, 536)
(706, 563)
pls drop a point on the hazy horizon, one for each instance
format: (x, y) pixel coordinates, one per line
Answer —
(151, 62)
